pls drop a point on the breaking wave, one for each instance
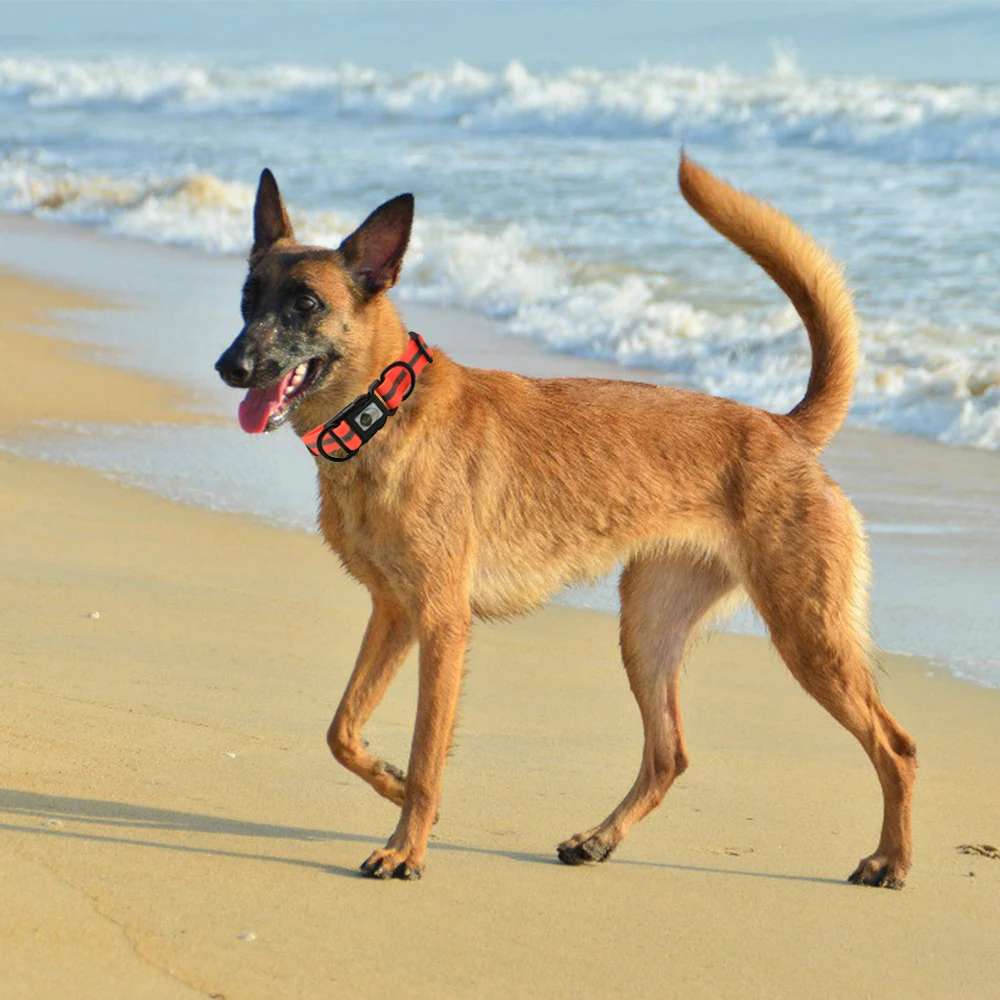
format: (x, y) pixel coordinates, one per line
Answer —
(898, 121)
(918, 380)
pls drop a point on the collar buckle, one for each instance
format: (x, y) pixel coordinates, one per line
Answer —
(358, 422)
(362, 418)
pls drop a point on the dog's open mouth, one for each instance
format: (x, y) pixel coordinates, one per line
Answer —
(264, 409)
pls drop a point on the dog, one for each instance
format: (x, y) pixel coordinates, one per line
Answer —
(484, 492)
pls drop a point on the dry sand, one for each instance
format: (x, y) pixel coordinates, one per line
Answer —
(171, 823)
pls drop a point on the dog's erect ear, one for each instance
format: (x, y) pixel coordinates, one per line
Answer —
(270, 220)
(374, 252)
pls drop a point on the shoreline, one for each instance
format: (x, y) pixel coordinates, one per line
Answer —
(172, 822)
(931, 509)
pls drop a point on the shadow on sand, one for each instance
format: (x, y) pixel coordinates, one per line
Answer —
(123, 816)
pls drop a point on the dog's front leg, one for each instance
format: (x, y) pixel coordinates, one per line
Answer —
(442, 658)
(388, 638)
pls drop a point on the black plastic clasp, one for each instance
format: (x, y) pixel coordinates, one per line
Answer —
(368, 413)
(364, 417)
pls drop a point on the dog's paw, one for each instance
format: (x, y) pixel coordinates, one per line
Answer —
(580, 852)
(388, 863)
(879, 870)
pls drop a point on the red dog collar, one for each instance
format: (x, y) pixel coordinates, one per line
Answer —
(341, 437)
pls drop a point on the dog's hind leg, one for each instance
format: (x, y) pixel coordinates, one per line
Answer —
(663, 600)
(389, 637)
(811, 592)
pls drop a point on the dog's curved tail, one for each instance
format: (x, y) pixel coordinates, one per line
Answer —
(808, 276)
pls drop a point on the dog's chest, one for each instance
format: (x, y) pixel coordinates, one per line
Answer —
(363, 520)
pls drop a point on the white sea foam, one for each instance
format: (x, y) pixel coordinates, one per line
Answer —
(895, 120)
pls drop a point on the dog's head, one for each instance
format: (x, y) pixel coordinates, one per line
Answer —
(308, 311)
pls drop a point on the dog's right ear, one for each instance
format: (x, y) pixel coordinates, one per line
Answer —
(270, 220)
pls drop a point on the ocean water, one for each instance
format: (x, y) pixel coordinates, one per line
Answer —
(541, 142)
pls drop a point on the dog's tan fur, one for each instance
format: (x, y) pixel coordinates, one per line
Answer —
(488, 491)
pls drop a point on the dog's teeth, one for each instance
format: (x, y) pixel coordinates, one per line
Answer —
(301, 370)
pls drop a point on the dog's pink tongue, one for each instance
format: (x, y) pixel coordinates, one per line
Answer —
(257, 405)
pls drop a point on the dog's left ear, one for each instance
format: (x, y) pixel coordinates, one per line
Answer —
(374, 252)
(270, 220)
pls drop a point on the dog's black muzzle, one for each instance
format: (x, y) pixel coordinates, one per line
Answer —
(244, 365)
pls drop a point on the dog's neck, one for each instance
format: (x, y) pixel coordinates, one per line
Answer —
(352, 375)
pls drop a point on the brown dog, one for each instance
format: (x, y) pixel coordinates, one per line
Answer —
(447, 513)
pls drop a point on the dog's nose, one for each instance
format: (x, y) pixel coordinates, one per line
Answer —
(235, 366)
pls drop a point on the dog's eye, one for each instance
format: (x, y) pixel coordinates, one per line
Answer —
(306, 304)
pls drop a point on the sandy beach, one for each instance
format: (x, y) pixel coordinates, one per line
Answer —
(172, 823)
